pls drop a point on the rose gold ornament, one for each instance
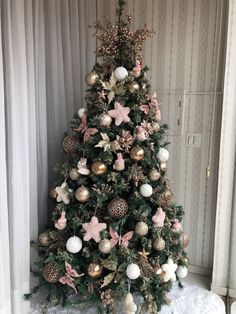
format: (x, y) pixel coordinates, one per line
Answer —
(186, 261)
(44, 238)
(70, 144)
(94, 270)
(141, 228)
(82, 194)
(117, 207)
(163, 166)
(154, 175)
(159, 244)
(53, 193)
(51, 272)
(73, 174)
(105, 246)
(137, 153)
(99, 168)
(91, 78)
(104, 120)
(134, 87)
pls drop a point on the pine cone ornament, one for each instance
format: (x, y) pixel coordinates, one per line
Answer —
(107, 297)
(118, 207)
(51, 272)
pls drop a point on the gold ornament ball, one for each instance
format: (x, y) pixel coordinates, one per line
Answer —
(159, 244)
(154, 175)
(137, 153)
(104, 120)
(70, 144)
(82, 194)
(51, 272)
(99, 168)
(141, 229)
(134, 87)
(163, 166)
(94, 270)
(186, 261)
(117, 207)
(105, 246)
(91, 78)
(53, 193)
(74, 174)
(44, 238)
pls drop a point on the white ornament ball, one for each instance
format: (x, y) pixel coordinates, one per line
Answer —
(182, 271)
(120, 74)
(74, 244)
(81, 112)
(146, 190)
(133, 271)
(163, 155)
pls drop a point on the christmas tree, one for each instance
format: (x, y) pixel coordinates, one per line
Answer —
(115, 230)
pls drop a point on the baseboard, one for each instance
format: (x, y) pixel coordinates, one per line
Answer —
(232, 293)
(219, 290)
(204, 271)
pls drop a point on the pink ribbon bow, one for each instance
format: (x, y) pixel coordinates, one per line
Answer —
(87, 131)
(121, 240)
(68, 279)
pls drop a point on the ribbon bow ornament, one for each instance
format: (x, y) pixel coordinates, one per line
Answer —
(70, 274)
(88, 132)
(121, 240)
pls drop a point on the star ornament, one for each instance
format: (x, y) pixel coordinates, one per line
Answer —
(92, 229)
(169, 271)
(119, 113)
(143, 254)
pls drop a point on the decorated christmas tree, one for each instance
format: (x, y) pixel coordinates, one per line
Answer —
(115, 230)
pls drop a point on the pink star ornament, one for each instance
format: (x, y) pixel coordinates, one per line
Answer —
(120, 113)
(158, 218)
(92, 229)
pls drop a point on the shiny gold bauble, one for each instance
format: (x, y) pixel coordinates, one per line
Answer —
(104, 120)
(51, 272)
(99, 168)
(74, 174)
(117, 207)
(137, 153)
(94, 270)
(159, 244)
(70, 144)
(163, 166)
(141, 228)
(91, 78)
(186, 261)
(82, 194)
(134, 87)
(53, 193)
(154, 175)
(44, 238)
(105, 246)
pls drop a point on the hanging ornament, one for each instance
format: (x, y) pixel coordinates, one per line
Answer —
(91, 78)
(93, 229)
(154, 175)
(74, 244)
(121, 240)
(182, 272)
(159, 244)
(94, 270)
(104, 120)
(169, 270)
(53, 193)
(73, 174)
(81, 112)
(184, 239)
(134, 87)
(104, 143)
(82, 194)
(69, 277)
(105, 246)
(129, 306)
(83, 128)
(117, 207)
(60, 224)
(63, 193)
(119, 113)
(70, 144)
(119, 164)
(120, 74)
(137, 153)
(158, 218)
(99, 168)
(163, 166)
(143, 254)
(137, 69)
(141, 229)
(146, 190)
(177, 225)
(141, 133)
(166, 197)
(155, 126)
(44, 238)
(125, 140)
(186, 261)
(133, 271)
(51, 272)
(163, 155)
(82, 167)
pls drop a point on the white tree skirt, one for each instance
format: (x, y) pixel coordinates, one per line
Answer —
(190, 300)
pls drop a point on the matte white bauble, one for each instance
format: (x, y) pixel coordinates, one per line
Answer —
(163, 155)
(120, 74)
(74, 244)
(81, 112)
(146, 190)
(182, 271)
(133, 271)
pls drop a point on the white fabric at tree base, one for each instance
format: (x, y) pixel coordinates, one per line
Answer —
(192, 299)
